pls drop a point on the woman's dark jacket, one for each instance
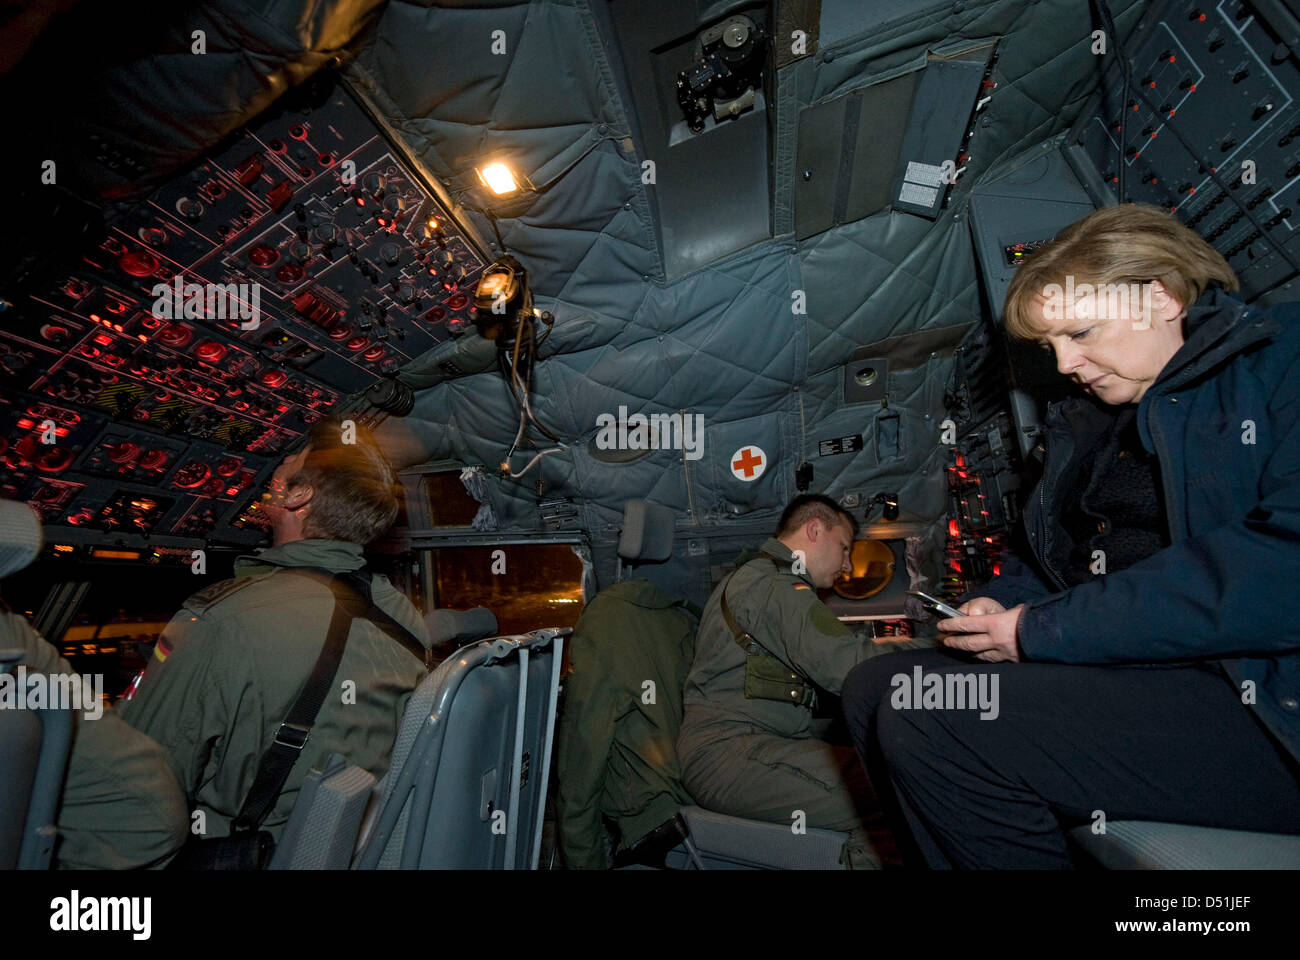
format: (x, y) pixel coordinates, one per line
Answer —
(1223, 419)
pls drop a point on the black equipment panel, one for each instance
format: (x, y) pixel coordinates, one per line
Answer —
(134, 417)
(1211, 90)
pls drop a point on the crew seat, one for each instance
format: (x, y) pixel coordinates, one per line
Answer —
(34, 748)
(451, 629)
(466, 786)
(1148, 845)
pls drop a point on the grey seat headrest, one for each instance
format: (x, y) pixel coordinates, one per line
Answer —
(21, 536)
(647, 535)
(459, 627)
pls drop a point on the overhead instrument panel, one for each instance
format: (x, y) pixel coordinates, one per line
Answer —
(151, 386)
(1207, 129)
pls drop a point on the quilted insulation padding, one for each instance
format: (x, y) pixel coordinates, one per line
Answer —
(167, 108)
(724, 341)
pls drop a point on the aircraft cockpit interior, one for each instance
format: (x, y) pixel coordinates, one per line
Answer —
(586, 435)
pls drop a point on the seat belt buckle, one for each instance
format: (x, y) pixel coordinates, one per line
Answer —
(292, 735)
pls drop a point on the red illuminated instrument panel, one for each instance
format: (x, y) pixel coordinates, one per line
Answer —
(153, 381)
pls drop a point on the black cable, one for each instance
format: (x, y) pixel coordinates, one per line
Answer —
(509, 367)
(546, 333)
(492, 219)
(532, 352)
(504, 366)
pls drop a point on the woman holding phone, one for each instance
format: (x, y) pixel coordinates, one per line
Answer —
(1144, 630)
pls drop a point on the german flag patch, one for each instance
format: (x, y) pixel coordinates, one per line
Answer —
(802, 586)
(162, 649)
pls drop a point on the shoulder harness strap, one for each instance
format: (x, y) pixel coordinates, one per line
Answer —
(359, 581)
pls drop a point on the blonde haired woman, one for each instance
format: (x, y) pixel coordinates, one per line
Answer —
(1145, 631)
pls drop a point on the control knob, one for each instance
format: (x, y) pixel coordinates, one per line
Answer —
(190, 209)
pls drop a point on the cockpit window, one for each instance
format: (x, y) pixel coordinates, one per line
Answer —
(526, 585)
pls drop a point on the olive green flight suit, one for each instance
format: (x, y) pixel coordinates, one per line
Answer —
(121, 805)
(241, 651)
(761, 758)
(616, 753)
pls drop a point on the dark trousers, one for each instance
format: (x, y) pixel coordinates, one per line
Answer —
(1168, 743)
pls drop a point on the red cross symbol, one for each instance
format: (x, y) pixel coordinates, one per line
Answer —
(748, 462)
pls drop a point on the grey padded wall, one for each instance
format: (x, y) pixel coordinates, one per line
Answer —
(722, 341)
(151, 105)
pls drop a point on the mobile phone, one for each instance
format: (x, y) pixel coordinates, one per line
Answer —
(935, 605)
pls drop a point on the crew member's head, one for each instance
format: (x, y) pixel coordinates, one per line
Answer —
(331, 490)
(1108, 296)
(823, 530)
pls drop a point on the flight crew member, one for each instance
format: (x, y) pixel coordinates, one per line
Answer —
(232, 662)
(121, 805)
(749, 744)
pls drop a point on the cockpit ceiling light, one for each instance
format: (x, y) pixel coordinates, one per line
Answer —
(499, 178)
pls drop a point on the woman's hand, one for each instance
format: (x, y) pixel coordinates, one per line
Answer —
(980, 605)
(988, 630)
